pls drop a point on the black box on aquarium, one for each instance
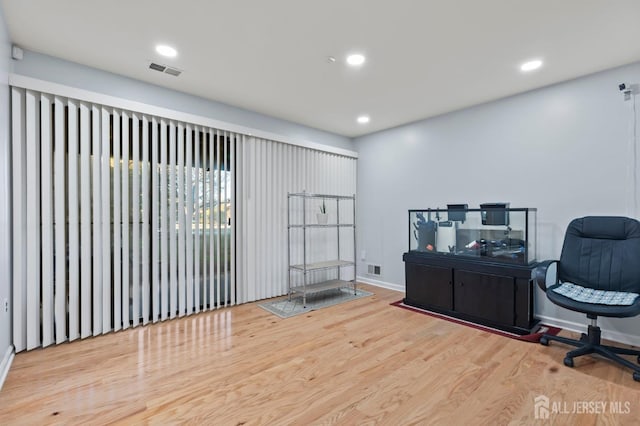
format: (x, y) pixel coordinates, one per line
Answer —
(457, 212)
(495, 213)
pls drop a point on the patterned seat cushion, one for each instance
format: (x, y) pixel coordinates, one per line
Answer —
(600, 297)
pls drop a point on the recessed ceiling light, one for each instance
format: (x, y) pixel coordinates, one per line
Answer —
(363, 119)
(355, 59)
(167, 51)
(531, 65)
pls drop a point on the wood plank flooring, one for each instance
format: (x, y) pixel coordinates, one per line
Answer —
(362, 362)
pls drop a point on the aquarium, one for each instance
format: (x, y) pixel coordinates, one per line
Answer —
(494, 232)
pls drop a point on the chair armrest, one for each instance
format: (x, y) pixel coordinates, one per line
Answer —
(541, 270)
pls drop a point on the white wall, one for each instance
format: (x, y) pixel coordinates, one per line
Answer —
(72, 74)
(5, 169)
(564, 149)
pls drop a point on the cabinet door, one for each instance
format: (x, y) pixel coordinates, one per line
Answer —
(429, 286)
(490, 297)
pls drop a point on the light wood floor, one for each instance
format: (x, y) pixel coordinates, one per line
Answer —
(363, 362)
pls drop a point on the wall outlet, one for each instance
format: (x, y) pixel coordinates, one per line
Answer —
(6, 305)
(363, 255)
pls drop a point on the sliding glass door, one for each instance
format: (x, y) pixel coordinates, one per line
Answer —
(122, 218)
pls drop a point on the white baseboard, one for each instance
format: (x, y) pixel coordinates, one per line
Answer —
(382, 284)
(616, 336)
(6, 364)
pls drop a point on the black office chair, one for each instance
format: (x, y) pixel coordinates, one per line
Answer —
(598, 274)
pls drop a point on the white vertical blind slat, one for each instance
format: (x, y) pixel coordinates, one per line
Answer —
(249, 174)
(253, 172)
(18, 202)
(46, 214)
(145, 221)
(155, 217)
(96, 178)
(188, 188)
(117, 224)
(197, 215)
(278, 278)
(60, 219)
(267, 197)
(33, 220)
(74, 220)
(239, 219)
(126, 220)
(238, 290)
(218, 213)
(224, 222)
(212, 189)
(164, 223)
(254, 190)
(259, 196)
(288, 184)
(277, 202)
(46, 217)
(273, 230)
(106, 219)
(182, 238)
(173, 240)
(227, 218)
(227, 229)
(232, 206)
(135, 221)
(204, 188)
(85, 221)
(283, 210)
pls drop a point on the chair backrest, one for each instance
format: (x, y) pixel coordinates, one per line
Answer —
(602, 252)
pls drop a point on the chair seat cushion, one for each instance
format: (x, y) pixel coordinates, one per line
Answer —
(590, 295)
(593, 308)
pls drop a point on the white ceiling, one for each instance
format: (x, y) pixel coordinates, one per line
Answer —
(424, 57)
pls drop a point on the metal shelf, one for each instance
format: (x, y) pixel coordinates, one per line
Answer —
(321, 286)
(333, 197)
(306, 286)
(328, 225)
(322, 265)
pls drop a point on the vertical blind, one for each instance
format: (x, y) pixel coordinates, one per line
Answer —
(266, 172)
(119, 218)
(122, 218)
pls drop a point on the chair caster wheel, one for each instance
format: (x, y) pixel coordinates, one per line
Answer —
(636, 377)
(544, 341)
(568, 362)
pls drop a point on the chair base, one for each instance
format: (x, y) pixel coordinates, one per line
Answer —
(590, 344)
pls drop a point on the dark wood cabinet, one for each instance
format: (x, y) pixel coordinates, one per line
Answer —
(485, 296)
(493, 294)
(432, 285)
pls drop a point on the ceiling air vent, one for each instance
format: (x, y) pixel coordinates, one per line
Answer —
(173, 71)
(157, 67)
(165, 69)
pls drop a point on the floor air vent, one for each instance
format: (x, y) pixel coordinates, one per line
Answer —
(165, 69)
(373, 269)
